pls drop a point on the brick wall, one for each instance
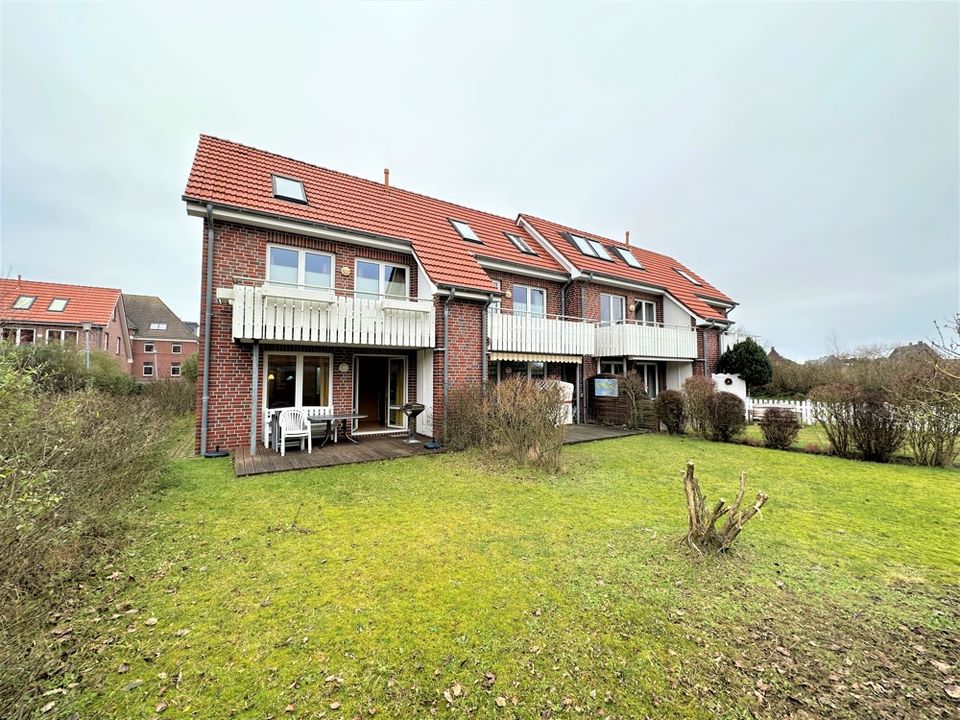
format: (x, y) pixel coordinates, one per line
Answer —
(507, 280)
(708, 352)
(102, 338)
(590, 293)
(464, 352)
(162, 356)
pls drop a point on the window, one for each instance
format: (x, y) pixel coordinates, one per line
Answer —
(158, 326)
(589, 247)
(289, 189)
(521, 244)
(464, 230)
(299, 268)
(54, 336)
(375, 279)
(24, 302)
(9, 334)
(612, 309)
(149, 348)
(506, 369)
(627, 256)
(613, 367)
(106, 341)
(70, 336)
(648, 373)
(118, 346)
(297, 380)
(646, 312)
(495, 303)
(687, 277)
(175, 370)
(27, 336)
(58, 305)
(148, 369)
(176, 349)
(529, 301)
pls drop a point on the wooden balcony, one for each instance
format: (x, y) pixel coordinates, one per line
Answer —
(271, 313)
(649, 341)
(535, 334)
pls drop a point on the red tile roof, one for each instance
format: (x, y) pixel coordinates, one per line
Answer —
(85, 304)
(659, 270)
(234, 175)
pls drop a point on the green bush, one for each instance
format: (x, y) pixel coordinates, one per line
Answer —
(780, 428)
(727, 415)
(63, 368)
(748, 360)
(188, 369)
(671, 411)
(696, 393)
(172, 395)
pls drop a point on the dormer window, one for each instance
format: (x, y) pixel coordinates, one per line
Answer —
(58, 305)
(688, 278)
(590, 248)
(286, 188)
(158, 326)
(464, 230)
(627, 256)
(519, 243)
(24, 302)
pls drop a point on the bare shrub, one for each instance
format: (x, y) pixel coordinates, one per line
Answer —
(928, 402)
(835, 407)
(726, 415)
(780, 428)
(877, 429)
(671, 411)
(639, 405)
(69, 463)
(697, 391)
(703, 535)
(518, 419)
(172, 395)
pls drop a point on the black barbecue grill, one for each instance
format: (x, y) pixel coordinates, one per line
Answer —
(411, 410)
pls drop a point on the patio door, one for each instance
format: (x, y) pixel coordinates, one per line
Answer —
(396, 392)
(380, 390)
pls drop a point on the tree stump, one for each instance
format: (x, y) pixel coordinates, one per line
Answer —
(702, 532)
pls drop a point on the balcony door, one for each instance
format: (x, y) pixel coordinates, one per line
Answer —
(380, 390)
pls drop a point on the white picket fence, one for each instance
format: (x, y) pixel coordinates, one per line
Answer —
(805, 410)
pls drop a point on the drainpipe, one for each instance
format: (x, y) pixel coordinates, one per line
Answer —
(254, 400)
(563, 298)
(446, 359)
(483, 343)
(587, 278)
(207, 318)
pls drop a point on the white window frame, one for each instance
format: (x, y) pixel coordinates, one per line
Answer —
(118, 345)
(106, 341)
(646, 371)
(298, 383)
(174, 369)
(629, 258)
(383, 277)
(158, 326)
(689, 278)
(641, 316)
(281, 196)
(46, 337)
(498, 364)
(617, 363)
(76, 336)
(301, 266)
(520, 243)
(529, 289)
(495, 302)
(149, 347)
(176, 349)
(465, 231)
(608, 299)
(147, 366)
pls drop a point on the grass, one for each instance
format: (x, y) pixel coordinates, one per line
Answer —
(439, 585)
(808, 435)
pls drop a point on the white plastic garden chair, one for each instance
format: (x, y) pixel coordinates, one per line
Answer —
(294, 424)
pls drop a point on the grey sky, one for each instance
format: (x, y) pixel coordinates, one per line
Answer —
(803, 157)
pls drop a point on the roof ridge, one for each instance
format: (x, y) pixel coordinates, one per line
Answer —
(367, 181)
(59, 284)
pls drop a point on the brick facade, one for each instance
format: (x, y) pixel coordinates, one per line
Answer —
(162, 357)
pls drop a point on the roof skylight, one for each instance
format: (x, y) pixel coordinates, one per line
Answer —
(588, 247)
(58, 304)
(24, 302)
(158, 326)
(289, 189)
(687, 277)
(520, 244)
(627, 256)
(464, 230)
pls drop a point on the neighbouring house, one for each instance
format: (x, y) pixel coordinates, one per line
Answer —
(193, 327)
(775, 357)
(320, 289)
(159, 339)
(913, 351)
(42, 312)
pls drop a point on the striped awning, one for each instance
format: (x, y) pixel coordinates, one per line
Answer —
(536, 357)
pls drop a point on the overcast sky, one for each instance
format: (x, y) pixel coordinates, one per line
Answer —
(803, 157)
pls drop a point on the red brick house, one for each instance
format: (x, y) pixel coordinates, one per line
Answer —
(320, 289)
(159, 340)
(42, 312)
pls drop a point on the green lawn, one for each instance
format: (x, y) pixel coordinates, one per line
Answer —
(379, 588)
(808, 435)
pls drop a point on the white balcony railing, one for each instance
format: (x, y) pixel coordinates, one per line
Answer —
(269, 312)
(546, 335)
(653, 341)
(728, 340)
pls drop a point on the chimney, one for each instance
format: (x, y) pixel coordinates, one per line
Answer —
(386, 178)
(626, 238)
